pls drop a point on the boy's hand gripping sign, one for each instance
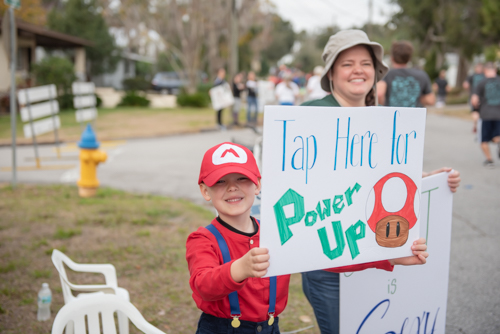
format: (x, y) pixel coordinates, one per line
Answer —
(340, 186)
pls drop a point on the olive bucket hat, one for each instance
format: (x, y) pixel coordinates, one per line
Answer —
(344, 40)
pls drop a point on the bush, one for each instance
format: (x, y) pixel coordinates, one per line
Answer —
(55, 70)
(198, 100)
(134, 100)
(135, 84)
(66, 101)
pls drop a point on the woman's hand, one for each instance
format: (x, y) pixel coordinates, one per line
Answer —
(453, 177)
(419, 255)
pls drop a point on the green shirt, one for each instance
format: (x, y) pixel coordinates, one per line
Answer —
(327, 101)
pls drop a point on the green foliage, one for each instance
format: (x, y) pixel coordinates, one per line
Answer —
(430, 63)
(143, 70)
(490, 14)
(83, 19)
(135, 84)
(55, 70)
(283, 38)
(491, 53)
(198, 100)
(324, 35)
(132, 99)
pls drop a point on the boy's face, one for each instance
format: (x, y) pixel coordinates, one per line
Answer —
(233, 195)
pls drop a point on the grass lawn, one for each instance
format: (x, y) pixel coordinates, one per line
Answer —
(143, 236)
(126, 122)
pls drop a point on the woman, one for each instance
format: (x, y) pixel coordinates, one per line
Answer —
(287, 91)
(353, 65)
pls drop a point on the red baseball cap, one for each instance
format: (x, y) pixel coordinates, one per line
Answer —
(227, 158)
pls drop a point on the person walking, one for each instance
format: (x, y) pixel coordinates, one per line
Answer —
(353, 65)
(486, 99)
(404, 86)
(441, 88)
(472, 80)
(252, 109)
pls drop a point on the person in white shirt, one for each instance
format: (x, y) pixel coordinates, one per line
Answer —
(287, 91)
(314, 90)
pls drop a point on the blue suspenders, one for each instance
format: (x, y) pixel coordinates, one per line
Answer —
(233, 296)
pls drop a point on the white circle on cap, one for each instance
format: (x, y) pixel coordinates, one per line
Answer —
(394, 194)
(228, 153)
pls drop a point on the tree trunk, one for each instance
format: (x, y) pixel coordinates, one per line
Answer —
(463, 68)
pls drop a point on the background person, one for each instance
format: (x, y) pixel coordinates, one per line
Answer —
(252, 108)
(403, 86)
(470, 85)
(486, 98)
(472, 80)
(314, 90)
(353, 65)
(287, 91)
(441, 88)
(237, 88)
(219, 80)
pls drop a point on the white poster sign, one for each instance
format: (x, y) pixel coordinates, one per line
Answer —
(221, 96)
(42, 126)
(340, 186)
(409, 299)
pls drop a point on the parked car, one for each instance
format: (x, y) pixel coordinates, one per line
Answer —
(167, 82)
(171, 83)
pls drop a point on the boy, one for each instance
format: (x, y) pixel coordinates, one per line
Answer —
(486, 99)
(230, 291)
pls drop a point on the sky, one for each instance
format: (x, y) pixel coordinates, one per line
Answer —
(312, 15)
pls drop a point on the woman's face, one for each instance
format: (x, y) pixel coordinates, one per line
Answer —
(353, 73)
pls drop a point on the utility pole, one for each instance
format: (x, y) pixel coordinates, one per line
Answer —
(9, 31)
(370, 19)
(233, 63)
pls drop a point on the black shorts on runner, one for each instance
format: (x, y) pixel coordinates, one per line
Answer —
(489, 130)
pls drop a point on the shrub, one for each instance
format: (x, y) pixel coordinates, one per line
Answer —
(198, 100)
(66, 101)
(134, 100)
(55, 70)
(136, 83)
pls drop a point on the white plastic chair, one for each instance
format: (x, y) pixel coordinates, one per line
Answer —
(90, 290)
(85, 313)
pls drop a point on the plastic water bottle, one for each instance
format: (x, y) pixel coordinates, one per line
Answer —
(44, 301)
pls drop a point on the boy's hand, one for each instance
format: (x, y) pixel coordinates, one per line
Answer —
(253, 264)
(419, 255)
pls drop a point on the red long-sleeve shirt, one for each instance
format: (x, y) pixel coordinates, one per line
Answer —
(211, 279)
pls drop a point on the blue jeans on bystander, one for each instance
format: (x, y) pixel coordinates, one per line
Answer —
(322, 291)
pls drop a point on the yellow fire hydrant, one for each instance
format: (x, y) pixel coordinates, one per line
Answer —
(90, 157)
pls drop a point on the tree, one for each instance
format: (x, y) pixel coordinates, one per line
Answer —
(444, 26)
(282, 36)
(31, 11)
(82, 18)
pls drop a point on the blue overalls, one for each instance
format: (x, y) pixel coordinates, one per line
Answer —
(209, 324)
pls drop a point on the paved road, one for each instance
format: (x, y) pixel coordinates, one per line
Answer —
(170, 166)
